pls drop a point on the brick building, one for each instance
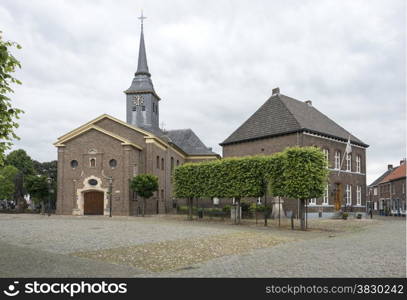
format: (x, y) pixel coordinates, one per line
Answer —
(387, 194)
(110, 148)
(284, 122)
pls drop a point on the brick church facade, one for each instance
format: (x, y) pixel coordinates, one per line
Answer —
(107, 150)
(285, 122)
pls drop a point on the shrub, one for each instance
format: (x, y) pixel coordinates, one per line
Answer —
(226, 209)
(345, 215)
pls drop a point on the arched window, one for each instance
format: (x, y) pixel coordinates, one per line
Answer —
(177, 162)
(74, 164)
(172, 164)
(113, 163)
(162, 163)
(158, 162)
(92, 162)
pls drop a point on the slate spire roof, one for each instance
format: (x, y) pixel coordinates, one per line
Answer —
(281, 115)
(142, 67)
(142, 78)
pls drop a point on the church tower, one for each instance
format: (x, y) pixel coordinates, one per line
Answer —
(142, 101)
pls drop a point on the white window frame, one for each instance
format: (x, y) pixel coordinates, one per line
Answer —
(348, 195)
(375, 191)
(358, 164)
(312, 201)
(326, 153)
(325, 199)
(358, 195)
(349, 162)
(337, 159)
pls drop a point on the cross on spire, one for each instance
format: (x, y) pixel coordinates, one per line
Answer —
(142, 18)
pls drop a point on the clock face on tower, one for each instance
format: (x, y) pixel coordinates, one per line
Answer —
(138, 100)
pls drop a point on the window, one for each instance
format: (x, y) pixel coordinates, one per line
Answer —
(358, 195)
(92, 182)
(162, 195)
(143, 108)
(74, 164)
(313, 201)
(215, 201)
(158, 162)
(337, 159)
(92, 162)
(348, 194)
(358, 168)
(153, 107)
(113, 163)
(393, 188)
(326, 153)
(349, 162)
(177, 162)
(375, 191)
(134, 108)
(172, 164)
(325, 199)
(162, 163)
(403, 188)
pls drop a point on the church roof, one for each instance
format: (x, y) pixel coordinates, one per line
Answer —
(188, 141)
(281, 115)
(142, 82)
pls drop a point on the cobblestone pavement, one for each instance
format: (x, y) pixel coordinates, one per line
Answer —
(35, 245)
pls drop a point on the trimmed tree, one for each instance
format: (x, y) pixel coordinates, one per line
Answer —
(144, 185)
(304, 176)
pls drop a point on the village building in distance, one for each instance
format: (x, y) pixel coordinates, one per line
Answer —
(387, 194)
(107, 149)
(283, 122)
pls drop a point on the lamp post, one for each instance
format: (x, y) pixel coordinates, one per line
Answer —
(110, 179)
(49, 180)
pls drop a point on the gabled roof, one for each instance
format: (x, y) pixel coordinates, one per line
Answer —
(397, 173)
(188, 141)
(281, 115)
(124, 141)
(380, 178)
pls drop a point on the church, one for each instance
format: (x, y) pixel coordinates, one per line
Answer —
(104, 154)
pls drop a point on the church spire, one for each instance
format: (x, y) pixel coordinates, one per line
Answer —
(142, 67)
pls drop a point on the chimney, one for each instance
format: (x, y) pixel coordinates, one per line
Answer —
(389, 167)
(276, 91)
(402, 162)
(309, 102)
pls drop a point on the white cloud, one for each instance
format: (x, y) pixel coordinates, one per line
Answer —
(213, 63)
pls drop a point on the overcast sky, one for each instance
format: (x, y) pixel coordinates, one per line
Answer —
(213, 63)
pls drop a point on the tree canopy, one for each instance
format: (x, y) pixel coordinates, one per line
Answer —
(8, 113)
(22, 161)
(7, 177)
(144, 185)
(37, 187)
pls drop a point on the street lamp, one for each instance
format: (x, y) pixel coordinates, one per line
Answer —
(110, 179)
(49, 180)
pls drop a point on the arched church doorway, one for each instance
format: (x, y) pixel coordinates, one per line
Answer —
(93, 203)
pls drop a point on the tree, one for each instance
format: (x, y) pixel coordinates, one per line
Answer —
(37, 187)
(23, 162)
(304, 175)
(48, 169)
(144, 185)
(7, 175)
(8, 113)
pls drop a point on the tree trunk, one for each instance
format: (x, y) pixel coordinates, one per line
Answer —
(144, 207)
(302, 213)
(265, 210)
(190, 201)
(237, 211)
